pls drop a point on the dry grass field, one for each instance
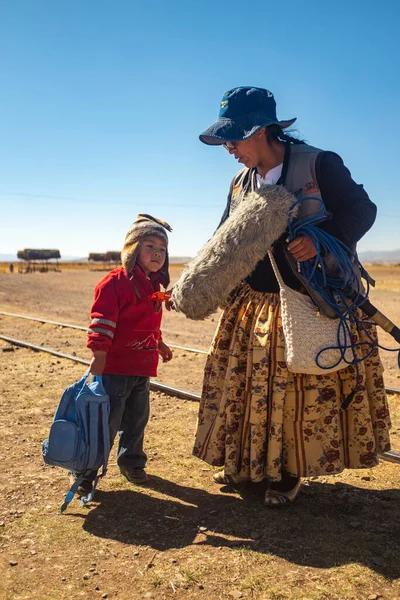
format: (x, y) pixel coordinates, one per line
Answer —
(180, 536)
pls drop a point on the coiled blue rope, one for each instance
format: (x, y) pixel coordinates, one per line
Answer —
(333, 274)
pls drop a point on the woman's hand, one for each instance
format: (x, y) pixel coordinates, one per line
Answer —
(302, 248)
(98, 362)
(164, 351)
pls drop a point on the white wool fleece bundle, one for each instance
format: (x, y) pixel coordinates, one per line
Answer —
(233, 252)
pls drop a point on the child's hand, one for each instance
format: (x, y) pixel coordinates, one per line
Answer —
(164, 351)
(169, 304)
(98, 362)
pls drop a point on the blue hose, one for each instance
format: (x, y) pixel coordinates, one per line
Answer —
(333, 275)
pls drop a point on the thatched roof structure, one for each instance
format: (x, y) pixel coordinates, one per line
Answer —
(113, 256)
(109, 256)
(38, 254)
(95, 256)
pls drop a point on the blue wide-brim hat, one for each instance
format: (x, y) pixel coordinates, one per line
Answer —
(243, 112)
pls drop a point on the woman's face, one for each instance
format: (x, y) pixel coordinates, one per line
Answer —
(249, 152)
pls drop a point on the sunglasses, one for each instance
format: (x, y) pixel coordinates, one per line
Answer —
(230, 145)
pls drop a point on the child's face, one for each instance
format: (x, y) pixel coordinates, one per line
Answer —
(152, 254)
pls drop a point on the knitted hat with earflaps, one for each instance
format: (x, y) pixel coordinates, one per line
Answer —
(142, 227)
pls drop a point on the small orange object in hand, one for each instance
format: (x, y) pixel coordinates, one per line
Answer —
(161, 296)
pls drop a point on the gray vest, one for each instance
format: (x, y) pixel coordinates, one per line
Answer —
(300, 179)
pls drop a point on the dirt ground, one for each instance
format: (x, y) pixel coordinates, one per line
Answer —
(67, 296)
(180, 536)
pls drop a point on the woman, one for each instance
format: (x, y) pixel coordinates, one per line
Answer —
(257, 419)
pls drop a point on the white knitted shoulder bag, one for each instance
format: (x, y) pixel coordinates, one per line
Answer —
(307, 332)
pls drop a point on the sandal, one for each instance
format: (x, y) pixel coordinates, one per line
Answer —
(277, 498)
(223, 479)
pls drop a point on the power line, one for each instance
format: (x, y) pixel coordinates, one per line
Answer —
(105, 201)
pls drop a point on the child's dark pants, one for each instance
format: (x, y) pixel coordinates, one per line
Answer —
(129, 413)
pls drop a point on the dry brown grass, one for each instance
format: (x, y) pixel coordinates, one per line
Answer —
(338, 541)
(71, 266)
(180, 536)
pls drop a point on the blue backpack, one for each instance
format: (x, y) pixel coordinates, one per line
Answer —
(79, 436)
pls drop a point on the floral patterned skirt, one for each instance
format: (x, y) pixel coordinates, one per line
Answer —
(256, 418)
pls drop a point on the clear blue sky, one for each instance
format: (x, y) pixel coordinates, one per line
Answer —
(102, 102)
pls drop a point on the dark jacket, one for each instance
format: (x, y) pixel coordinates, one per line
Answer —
(351, 215)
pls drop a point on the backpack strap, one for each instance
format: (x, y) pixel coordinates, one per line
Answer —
(78, 388)
(93, 438)
(106, 436)
(72, 492)
(106, 451)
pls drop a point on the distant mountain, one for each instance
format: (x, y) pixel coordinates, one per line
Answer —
(80, 259)
(8, 257)
(75, 259)
(370, 256)
(380, 256)
(13, 258)
(181, 260)
(172, 259)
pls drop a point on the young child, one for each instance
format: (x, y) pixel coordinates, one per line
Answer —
(125, 339)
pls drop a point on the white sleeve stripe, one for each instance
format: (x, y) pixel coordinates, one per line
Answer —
(104, 322)
(101, 330)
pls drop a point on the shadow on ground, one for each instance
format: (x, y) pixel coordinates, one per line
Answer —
(330, 525)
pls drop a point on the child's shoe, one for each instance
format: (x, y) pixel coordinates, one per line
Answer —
(135, 475)
(85, 487)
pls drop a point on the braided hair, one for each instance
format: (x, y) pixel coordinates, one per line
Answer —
(276, 133)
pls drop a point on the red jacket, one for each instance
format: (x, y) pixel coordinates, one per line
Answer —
(126, 322)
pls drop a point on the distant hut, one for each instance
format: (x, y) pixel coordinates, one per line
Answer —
(109, 260)
(96, 257)
(37, 260)
(114, 258)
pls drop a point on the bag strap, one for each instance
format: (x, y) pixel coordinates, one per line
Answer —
(85, 376)
(106, 435)
(93, 445)
(79, 385)
(71, 492)
(93, 440)
(82, 382)
(275, 269)
(104, 409)
(106, 450)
